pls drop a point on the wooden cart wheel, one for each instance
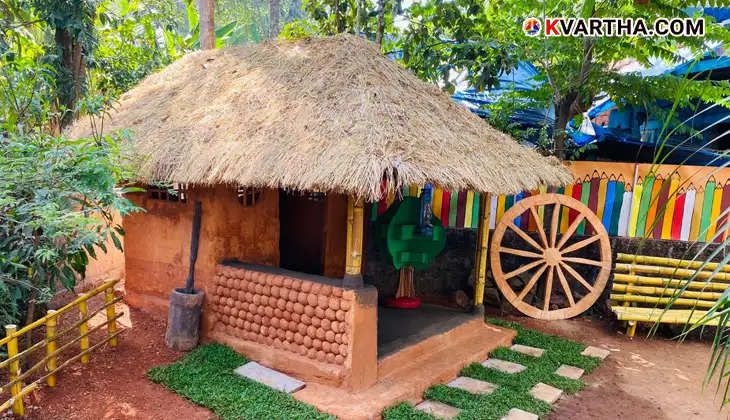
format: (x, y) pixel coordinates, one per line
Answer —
(545, 257)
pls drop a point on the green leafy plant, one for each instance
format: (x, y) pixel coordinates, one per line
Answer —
(205, 377)
(58, 201)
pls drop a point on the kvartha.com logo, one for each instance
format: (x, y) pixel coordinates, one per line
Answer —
(614, 27)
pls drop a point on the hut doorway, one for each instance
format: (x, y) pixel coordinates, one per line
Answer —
(301, 237)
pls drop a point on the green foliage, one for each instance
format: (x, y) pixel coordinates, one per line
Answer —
(57, 204)
(478, 40)
(206, 377)
(513, 389)
(322, 18)
(131, 42)
(252, 18)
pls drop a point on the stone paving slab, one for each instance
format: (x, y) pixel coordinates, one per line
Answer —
(270, 377)
(517, 414)
(545, 392)
(438, 410)
(571, 372)
(596, 352)
(472, 385)
(503, 366)
(530, 351)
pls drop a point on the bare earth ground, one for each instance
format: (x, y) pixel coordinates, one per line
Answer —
(113, 385)
(642, 379)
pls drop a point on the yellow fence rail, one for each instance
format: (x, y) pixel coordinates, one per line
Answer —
(15, 356)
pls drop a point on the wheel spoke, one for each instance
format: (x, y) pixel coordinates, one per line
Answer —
(577, 276)
(566, 287)
(520, 252)
(523, 269)
(540, 229)
(524, 236)
(580, 244)
(578, 260)
(569, 232)
(548, 290)
(554, 225)
(530, 284)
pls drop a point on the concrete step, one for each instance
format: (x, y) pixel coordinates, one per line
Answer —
(438, 409)
(571, 372)
(468, 343)
(270, 377)
(547, 393)
(503, 366)
(517, 414)
(475, 386)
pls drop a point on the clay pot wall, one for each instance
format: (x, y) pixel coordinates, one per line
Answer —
(299, 316)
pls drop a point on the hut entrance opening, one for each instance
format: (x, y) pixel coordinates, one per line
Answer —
(301, 237)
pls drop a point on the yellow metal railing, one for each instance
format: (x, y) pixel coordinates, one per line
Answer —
(13, 335)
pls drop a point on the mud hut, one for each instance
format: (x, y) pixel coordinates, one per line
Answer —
(285, 144)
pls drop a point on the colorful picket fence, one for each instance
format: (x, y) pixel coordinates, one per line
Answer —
(455, 209)
(656, 207)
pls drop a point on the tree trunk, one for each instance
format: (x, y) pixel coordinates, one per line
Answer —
(274, 12)
(336, 6)
(29, 318)
(562, 116)
(72, 74)
(358, 17)
(381, 22)
(295, 11)
(206, 11)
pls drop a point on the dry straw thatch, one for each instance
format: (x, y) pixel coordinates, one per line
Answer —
(327, 114)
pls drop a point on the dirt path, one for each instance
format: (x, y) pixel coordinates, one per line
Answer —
(642, 379)
(114, 386)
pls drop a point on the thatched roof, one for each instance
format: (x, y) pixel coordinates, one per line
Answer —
(327, 114)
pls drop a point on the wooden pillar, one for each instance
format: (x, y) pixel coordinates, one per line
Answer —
(207, 24)
(355, 226)
(480, 262)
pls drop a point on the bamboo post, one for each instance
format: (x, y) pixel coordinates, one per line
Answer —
(480, 264)
(630, 325)
(51, 346)
(83, 328)
(14, 369)
(355, 225)
(111, 327)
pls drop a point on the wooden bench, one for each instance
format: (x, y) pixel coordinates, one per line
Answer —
(644, 285)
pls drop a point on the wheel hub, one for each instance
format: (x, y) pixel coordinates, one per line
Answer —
(552, 256)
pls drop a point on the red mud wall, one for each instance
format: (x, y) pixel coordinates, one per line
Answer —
(106, 266)
(157, 243)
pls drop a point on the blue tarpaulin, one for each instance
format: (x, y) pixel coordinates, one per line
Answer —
(523, 78)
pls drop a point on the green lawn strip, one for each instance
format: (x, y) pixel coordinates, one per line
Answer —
(487, 407)
(556, 348)
(405, 411)
(513, 390)
(205, 377)
(491, 406)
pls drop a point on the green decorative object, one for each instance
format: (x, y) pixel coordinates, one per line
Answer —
(397, 232)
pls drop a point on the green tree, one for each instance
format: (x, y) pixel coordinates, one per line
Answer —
(58, 199)
(478, 40)
(328, 17)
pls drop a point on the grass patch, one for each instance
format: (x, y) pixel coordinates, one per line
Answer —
(513, 390)
(205, 377)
